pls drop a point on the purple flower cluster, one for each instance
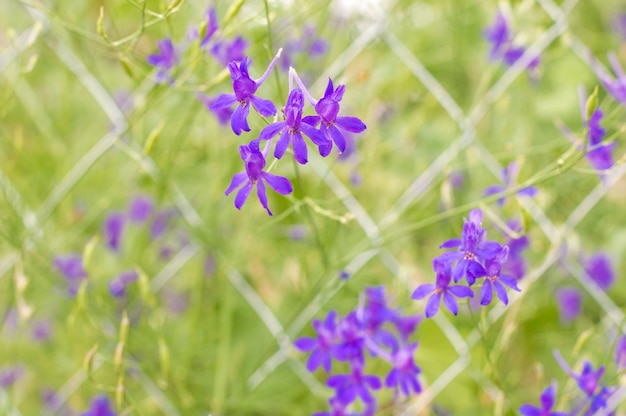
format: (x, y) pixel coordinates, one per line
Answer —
(475, 258)
(509, 179)
(502, 46)
(71, 267)
(100, 406)
(291, 130)
(593, 398)
(373, 329)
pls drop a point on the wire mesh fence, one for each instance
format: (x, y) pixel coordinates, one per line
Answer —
(46, 31)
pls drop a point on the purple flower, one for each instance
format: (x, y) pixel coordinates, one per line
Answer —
(356, 384)
(9, 375)
(588, 380)
(351, 340)
(113, 229)
(164, 60)
(117, 287)
(226, 51)
(515, 265)
(292, 129)
(211, 27)
(620, 352)
(600, 270)
(254, 175)
(473, 249)
(509, 179)
(42, 330)
(140, 209)
(100, 406)
(599, 154)
(161, 221)
(223, 114)
(547, 400)
(615, 86)
(307, 44)
(501, 39)
(327, 109)
(71, 266)
(322, 347)
(494, 280)
(441, 289)
(570, 301)
(245, 87)
(404, 373)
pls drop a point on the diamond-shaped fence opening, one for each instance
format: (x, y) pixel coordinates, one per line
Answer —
(465, 125)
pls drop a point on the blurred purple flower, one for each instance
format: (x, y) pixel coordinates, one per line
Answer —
(615, 86)
(547, 400)
(117, 287)
(245, 88)
(509, 180)
(356, 384)
(292, 129)
(619, 25)
(209, 265)
(327, 109)
(321, 348)
(71, 266)
(177, 302)
(161, 221)
(344, 275)
(404, 373)
(620, 352)
(254, 175)
(441, 289)
(515, 265)
(226, 51)
(600, 270)
(308, 45)
(140, 209)
(223, 114)
(456, 179)
(164, 60)
(113, 229)
(100, 406)
(502, 48)
(569, 300)
(211, 27)
(10, 374)
(599, 154)
(297, 232)
(42, 330)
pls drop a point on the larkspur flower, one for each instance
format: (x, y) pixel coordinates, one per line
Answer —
(515, 265)
(321, 348)
(569, 301)
(140, 209)
(165, 60)
(100, 406)
(308, 44)
(509, 179)
(161, 222)
(225, 51)
(71, 266)
(223, 114)
(327, 109)
(117, 287)
(599, 154)
(600, 270)
(351, 340)
(473, 249)
(112, 229)
(291, 130)
(502, 48)
(589, 379)
(441, 289)
(10, 374)
(495, 281)
(255, 175)
(547, 400)
(349, 387)
(211, 27)
(245, 88)
(404, 374)
(616, 86)
(620, 352)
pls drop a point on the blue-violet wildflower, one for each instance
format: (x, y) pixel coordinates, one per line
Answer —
(164, 60)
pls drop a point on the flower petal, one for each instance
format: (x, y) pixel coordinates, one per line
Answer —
(239, 120)
(282, 144)
(422, 291)
(338, 138)
(270, 131)
(299, 148)
(351, 124)
(223, 101)
(242, 195)
(238, 179)
(501, 292)
(278, 183)
(265, 107)
(486, 293)
(461, 291)
(432, 306)
(450, 303)
(260, 191)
